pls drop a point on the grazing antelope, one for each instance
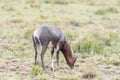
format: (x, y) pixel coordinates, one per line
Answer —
(53, 35)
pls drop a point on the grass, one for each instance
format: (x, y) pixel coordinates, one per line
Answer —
(106, 11)
(70, 78)
(92, 46)
(36, 70)
(28, 33)
(95, 23)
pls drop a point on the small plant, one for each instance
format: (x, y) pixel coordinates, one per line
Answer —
(75, 22)
(10, 8)
(100, 12)
(36, 70)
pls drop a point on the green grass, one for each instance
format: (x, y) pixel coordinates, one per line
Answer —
(106, 11)
(92, 46)
(70, 78)
(36, 70)
(94, 22)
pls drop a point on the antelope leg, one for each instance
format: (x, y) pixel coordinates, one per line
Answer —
(42, 56)
(57, 56)
(52, 59)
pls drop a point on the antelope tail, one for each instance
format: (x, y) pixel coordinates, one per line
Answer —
(35, 41)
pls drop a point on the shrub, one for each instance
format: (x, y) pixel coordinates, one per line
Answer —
(90, 45)
(113, 39)
(97, 43)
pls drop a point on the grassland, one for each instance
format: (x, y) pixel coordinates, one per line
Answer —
(95, 22)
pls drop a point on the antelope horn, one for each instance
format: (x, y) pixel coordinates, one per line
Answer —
(71, 46)
(76, 54)
(79, 46)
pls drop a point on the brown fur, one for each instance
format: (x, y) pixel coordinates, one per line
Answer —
(66, 50)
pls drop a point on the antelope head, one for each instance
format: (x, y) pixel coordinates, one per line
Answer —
(68, 54)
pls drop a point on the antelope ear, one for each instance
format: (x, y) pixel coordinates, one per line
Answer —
(78, 46)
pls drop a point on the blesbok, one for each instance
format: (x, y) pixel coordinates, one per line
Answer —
(53, 35)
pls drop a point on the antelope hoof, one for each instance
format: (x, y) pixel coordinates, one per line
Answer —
(43, 68)
(57, 67)
(36, 63)
(72, 67)
(52, 69)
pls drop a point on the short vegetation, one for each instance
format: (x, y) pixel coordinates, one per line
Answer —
(94, 24)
